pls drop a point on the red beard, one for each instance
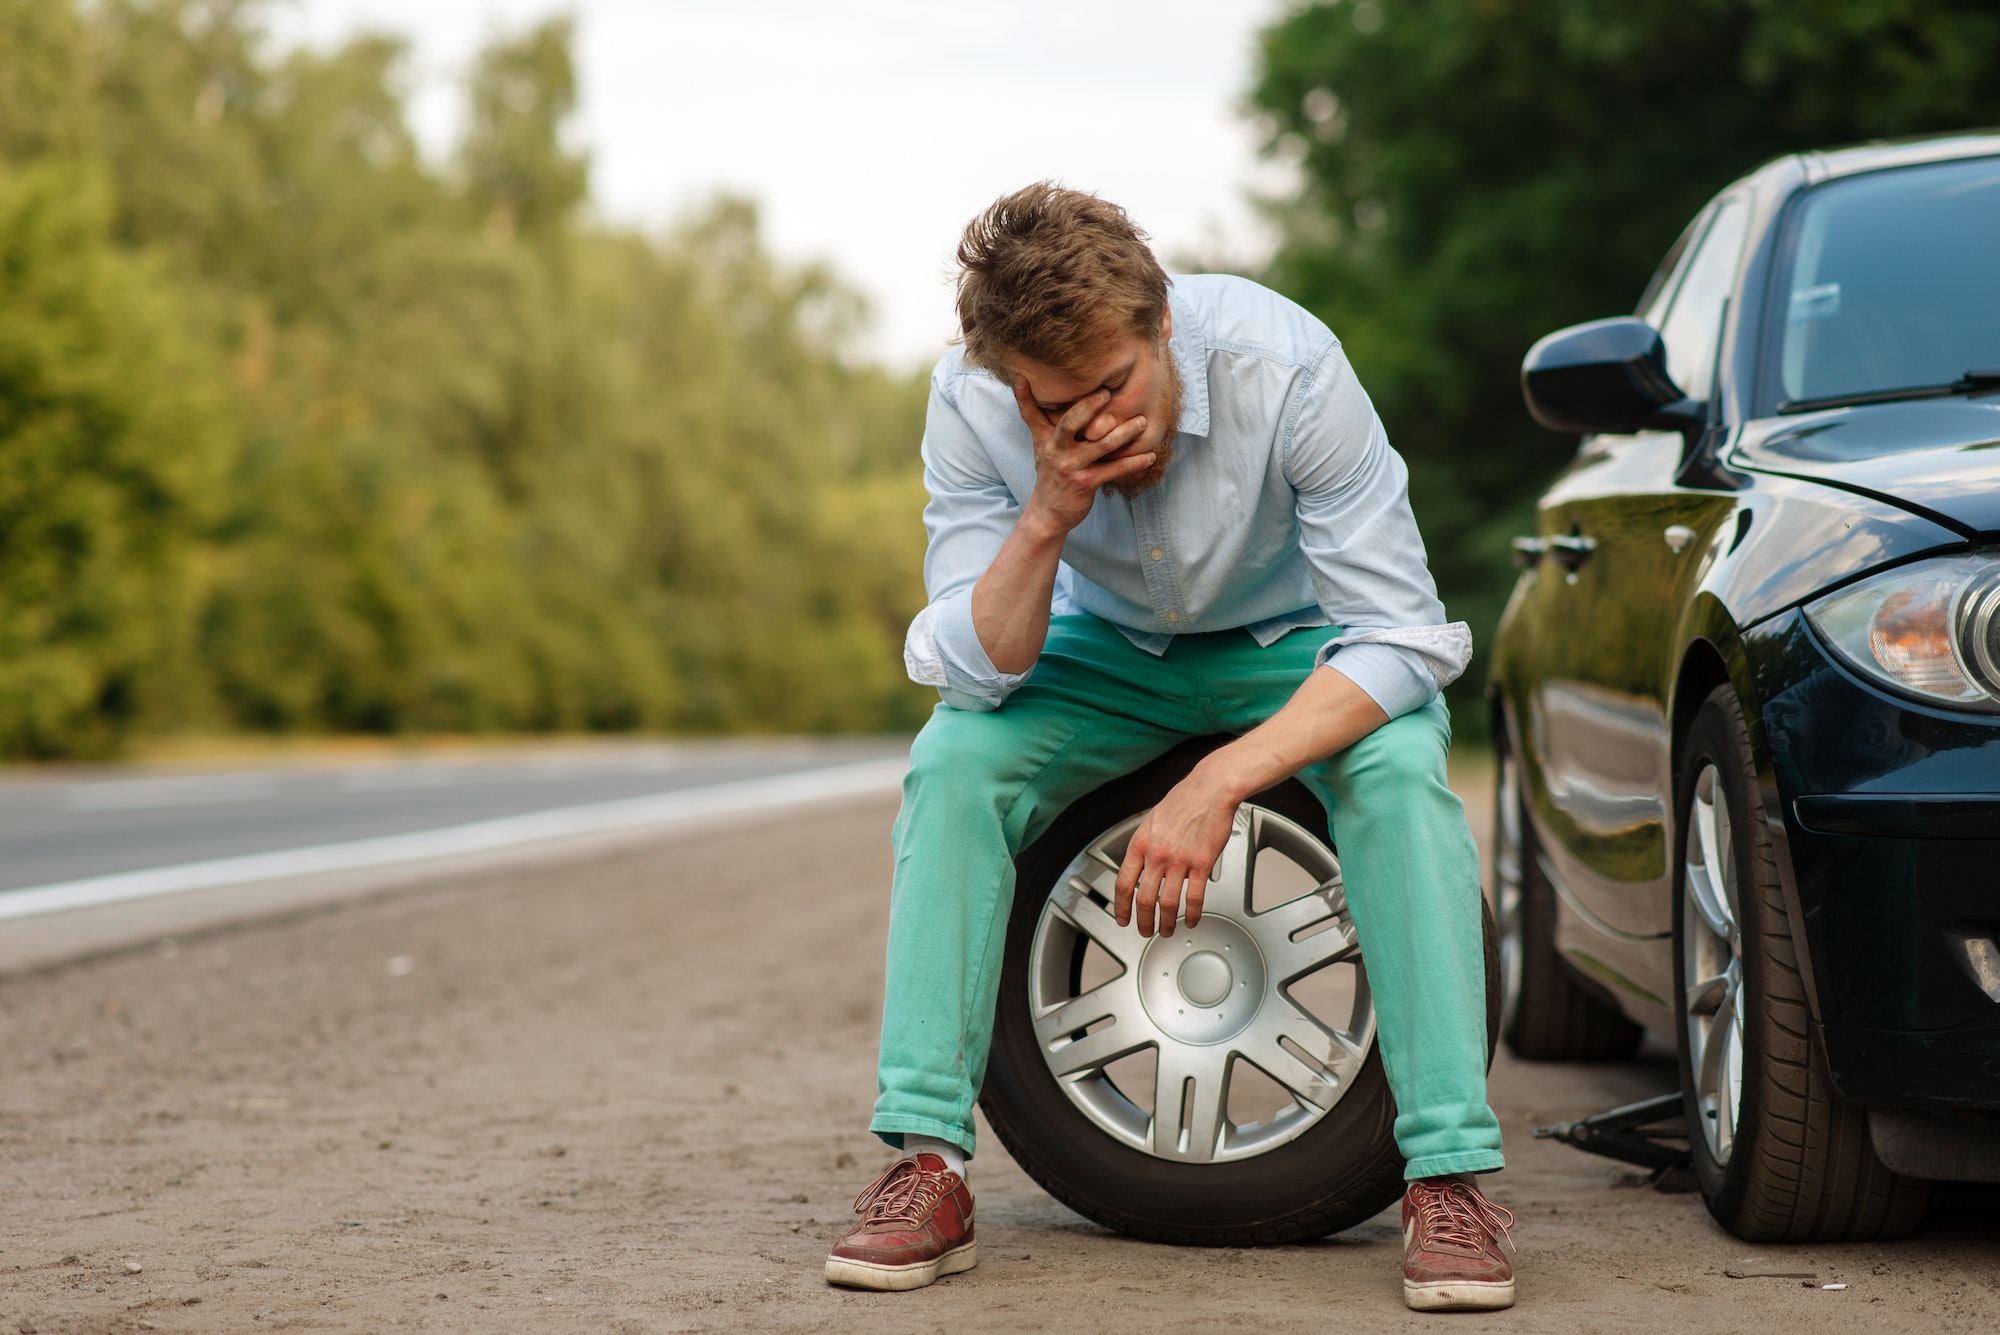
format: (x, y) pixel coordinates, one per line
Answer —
(1163, 453)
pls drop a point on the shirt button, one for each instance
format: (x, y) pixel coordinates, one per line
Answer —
(1157, 553)
(1173, 616)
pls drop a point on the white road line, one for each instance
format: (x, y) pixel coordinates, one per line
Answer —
(480, 836)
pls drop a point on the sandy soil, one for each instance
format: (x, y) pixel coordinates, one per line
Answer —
(631, 1096)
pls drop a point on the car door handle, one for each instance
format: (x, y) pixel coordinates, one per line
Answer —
(1572, 550)
(1528, 552)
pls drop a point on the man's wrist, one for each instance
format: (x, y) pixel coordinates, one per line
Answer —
(1230, 773)
(1041, 528)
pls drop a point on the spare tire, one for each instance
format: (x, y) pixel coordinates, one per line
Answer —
(1219, 1087)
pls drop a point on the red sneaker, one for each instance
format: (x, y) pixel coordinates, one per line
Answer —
(1451, 1249)
(916, 1225)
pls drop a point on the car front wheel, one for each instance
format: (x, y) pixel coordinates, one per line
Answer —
(1778, 1157)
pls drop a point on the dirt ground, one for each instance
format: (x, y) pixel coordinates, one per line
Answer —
(631, 1096)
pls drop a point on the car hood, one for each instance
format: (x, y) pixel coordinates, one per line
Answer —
(1940, 456)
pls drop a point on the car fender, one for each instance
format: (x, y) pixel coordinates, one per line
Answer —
(1791, 540)
(1787, 541)
(1712, 653)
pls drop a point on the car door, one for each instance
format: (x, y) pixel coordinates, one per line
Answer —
(1622, 543)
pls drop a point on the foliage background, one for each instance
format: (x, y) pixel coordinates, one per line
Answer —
(301, 433)
(1478, 173)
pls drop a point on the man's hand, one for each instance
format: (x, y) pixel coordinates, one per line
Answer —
(1077, 453)
(1168, 862)
(1176, 846)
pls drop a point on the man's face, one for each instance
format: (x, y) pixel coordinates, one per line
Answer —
(1140, 374)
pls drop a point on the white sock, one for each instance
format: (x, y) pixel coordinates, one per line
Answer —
(953, 1156)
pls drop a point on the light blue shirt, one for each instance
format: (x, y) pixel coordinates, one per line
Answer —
(1283, 506)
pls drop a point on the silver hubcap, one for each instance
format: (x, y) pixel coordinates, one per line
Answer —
(1205, 1001)
(1508, 873)
(1712, 965)
(1204, 984)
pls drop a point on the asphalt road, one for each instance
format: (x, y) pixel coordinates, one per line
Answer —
(629, 1094)
(62, 825)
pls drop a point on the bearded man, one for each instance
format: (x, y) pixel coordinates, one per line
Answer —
(1161, 510)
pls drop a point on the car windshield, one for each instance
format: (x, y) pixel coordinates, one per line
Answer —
(1893, 283)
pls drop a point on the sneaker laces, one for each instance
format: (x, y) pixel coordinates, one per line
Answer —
(1456, 1213)
(904, 1194)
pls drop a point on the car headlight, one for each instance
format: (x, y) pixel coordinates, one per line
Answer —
(1930, 629)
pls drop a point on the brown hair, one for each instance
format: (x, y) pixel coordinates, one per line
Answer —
(1054, 275)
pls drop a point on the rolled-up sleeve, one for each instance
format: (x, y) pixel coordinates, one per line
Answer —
(970, 514)
(1361, 543)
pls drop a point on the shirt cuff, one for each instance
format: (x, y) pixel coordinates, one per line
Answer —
(943, 650)
(1402, 668)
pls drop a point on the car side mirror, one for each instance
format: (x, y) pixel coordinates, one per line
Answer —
(1606, 376)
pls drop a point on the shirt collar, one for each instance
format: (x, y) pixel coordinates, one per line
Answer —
(1189, 346)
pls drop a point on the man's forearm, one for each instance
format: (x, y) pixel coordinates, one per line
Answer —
(1326, 715)
(1178, 842)
(1010, 603)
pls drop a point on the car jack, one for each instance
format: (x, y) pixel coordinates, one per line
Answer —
(1631, 1134)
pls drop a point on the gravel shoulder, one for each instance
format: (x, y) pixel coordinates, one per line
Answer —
(629, 1095)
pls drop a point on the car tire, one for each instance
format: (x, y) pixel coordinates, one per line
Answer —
(1342, 1169)
(1549, 1013)
(1779, 1158)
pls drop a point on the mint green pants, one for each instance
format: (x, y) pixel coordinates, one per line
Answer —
(981, 787)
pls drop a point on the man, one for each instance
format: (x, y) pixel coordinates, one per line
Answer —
(1162, 510)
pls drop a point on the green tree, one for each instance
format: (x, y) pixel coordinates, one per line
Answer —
(300, 432)
(523, 90)
(112, 453)
(44, 90)
(1480, 172)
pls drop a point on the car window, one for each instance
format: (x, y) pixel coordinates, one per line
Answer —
(1661, 285)
(1693, 323)
(1892, 281)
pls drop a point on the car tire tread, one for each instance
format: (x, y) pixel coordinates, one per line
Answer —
(1803, 1168)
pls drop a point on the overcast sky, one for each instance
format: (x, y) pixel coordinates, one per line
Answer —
(870, 130)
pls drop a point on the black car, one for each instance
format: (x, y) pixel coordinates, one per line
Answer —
(1746, 694)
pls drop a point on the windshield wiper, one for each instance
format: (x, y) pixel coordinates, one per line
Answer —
(1979, 379)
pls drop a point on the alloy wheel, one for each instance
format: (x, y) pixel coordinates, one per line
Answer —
(1205, 1000)
(1712, 965)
